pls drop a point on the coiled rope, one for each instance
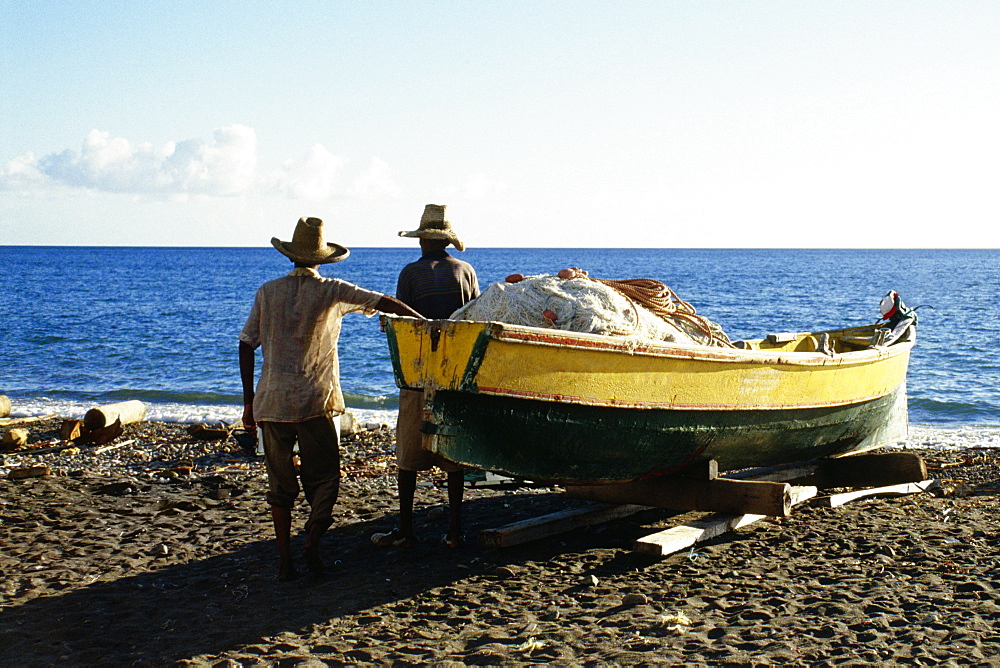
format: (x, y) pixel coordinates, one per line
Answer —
(660, 300)
(663, 302)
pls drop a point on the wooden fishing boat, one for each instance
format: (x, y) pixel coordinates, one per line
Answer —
(556, 406)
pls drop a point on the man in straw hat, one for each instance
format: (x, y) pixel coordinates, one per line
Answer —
(296, 320)
(436, 285)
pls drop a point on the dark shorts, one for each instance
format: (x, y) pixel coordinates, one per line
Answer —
(319, 464)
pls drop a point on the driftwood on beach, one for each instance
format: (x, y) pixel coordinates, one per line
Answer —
(126, 412)
(14, 439)
(6, 422)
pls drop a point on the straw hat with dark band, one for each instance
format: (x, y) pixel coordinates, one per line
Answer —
(434, 225)
(308, 245)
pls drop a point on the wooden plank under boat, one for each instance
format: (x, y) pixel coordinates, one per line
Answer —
(556, 406)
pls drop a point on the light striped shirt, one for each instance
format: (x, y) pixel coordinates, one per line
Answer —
(437, 285)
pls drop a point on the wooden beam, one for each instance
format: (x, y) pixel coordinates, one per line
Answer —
(675, 539)
(722, 495)
(786, 473)
(869, 469)
(704, 469)
(834, 500)
(544, 526)
(873, 469)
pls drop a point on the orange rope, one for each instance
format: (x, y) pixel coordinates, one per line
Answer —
(664, 302)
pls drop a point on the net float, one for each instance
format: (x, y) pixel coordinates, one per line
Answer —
(572, 272)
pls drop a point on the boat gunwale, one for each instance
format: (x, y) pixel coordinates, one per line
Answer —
(505, 332)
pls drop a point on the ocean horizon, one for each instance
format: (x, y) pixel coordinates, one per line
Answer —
(84, 326)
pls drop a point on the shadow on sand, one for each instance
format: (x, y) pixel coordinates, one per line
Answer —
(233, 600)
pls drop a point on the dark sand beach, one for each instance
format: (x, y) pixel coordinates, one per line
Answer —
(159, 552)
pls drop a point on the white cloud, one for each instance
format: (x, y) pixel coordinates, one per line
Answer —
(21, 173)
(314, 177)
(376, 181)
(225, 166)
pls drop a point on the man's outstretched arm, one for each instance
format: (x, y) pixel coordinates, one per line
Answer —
(392, 305)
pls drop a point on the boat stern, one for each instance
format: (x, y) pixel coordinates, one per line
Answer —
(435, 354)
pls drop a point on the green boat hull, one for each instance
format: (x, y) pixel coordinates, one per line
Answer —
(571, 443)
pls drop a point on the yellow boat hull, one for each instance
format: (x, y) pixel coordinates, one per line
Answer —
(487, 385)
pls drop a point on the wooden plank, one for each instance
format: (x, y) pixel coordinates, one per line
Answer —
(6, 422)
(67, 446)
(675, 539)
(113, 446)
(544, 526)
(834, 500)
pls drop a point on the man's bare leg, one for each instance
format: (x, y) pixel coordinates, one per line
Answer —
(282, 518)
(311, 549)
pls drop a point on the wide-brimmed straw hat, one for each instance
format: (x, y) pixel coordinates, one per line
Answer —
(434, 225)
(308, 244)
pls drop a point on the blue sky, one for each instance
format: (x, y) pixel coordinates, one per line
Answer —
(539, 123)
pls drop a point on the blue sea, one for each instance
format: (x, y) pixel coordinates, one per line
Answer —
(92, 325)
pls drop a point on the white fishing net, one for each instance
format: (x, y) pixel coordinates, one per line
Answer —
(584, 305)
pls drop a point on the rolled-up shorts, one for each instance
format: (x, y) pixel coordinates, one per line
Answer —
(319, 464)
(410, 454)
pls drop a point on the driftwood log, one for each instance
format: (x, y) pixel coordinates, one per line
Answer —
(4, 406)
(205, 433)
(125, 412)
(101, 435)
(29, 472)
(70, 430)
(14, 439)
